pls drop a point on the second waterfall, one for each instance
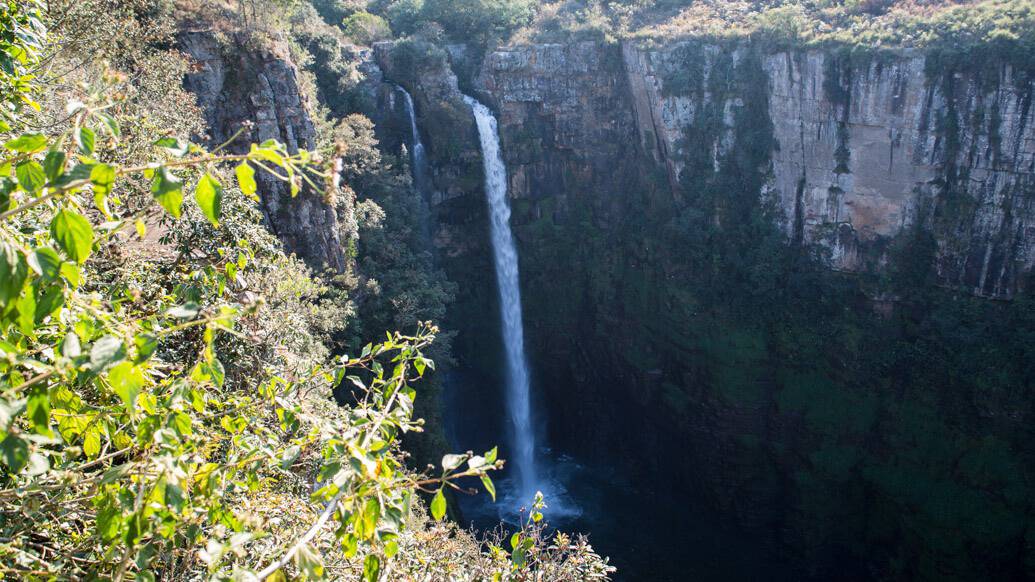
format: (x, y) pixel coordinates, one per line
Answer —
(506, 260)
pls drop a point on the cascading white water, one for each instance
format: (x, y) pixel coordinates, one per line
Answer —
(418, 162)
(505, 256)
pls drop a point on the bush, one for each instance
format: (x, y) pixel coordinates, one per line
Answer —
(464, 20)
(406, 16)
(366, 28)
(335, 11)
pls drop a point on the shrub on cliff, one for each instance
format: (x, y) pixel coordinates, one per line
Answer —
(475, 21)
(335, 11)
(366, 28)
(479, 19)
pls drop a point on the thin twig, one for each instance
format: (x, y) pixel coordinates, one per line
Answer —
(305, 539)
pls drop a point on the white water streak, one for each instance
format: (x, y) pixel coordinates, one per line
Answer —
(505, 255)
(417, 162)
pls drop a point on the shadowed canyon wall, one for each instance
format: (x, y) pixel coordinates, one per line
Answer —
(788, 283)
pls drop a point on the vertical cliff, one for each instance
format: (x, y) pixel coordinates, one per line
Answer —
(862, 148)
(256, 92)
(869, 146)
(703, 230)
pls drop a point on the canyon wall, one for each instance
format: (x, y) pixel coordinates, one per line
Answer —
(256, 93)
(704, 232)
(862, 148)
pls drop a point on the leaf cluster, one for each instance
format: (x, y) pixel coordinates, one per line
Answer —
(125, 454)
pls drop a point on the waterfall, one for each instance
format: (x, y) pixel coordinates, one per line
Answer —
(505, 256)
(418, 162)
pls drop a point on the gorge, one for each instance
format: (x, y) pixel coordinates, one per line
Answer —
(755, 276)
(511, 290)
(776, 299)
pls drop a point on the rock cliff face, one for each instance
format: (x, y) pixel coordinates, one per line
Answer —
(860, 151)
(665, 200)
(565, 123)
(257, 93)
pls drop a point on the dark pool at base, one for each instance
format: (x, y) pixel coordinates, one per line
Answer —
(649, 534)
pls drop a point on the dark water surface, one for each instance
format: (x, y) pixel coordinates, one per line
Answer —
(650, 531)
(648, 534)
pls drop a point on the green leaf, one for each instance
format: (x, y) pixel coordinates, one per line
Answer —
(215, 370)
(109, 121)
(309, 563)
(73, 234)
(27, 311)
(246, 179)
(31, 176)
(15, 452)
(70, 271)
(181, 423)
(290, 455)
(490, 456)
(371, 568)
(92, 442)
(27, 144)
(7, 186)
(126, 380)
(109, 520)
(167, 189)
(9, 409)
(174, 146)
(37, 408)
(265, 152)
(106, 351)
(102, 176)
(54, 164)
(438, 505)
(86, 140)
(209, 194)
(78, 172)
(70, 346)
(48, 300)
(173, 495)
(487, 483)
(146, 346)
(13, 272)
(46, 262)
(186, 311)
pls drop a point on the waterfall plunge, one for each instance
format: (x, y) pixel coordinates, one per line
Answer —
(417, 162)
(505, 256)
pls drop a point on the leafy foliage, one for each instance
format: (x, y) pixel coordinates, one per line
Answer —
(165, 380)
(479, 21)
(953, 25)
(22, 34)
(126, 443)
(366, 28)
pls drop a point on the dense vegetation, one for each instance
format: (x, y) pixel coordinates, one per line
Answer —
(166, 380)
(954, 25)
